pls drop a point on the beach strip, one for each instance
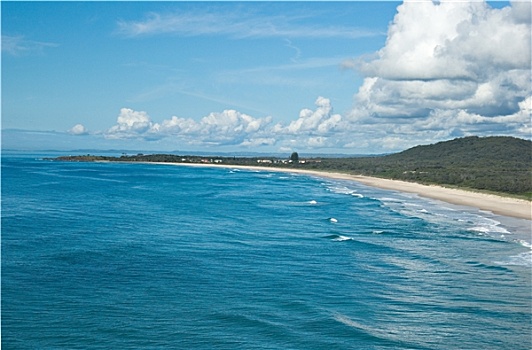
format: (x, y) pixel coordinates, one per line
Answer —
(506, 206)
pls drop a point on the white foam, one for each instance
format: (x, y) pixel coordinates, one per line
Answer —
(313, 202)
(333, 220)
(381, 333)
(343, 190)
(342, 238)
(523, 259)
(479, 229)
(524, 243)
(485, 225)
(389, 199)
(347, 321)
(335, 188)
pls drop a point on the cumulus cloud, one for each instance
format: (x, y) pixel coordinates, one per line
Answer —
(259, 141)
(448, 69)
(227, 127)
(314, 129)
(230, 127)
(78, 129)
(132, 124)
(452, 40)
(321, 121)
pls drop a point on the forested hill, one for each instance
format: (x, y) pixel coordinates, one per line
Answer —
(470, 151)
(499, 164)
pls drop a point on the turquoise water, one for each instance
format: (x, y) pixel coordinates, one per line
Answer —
(131, 256)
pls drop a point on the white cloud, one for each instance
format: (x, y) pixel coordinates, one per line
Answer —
(318, 141)
(231, 127)
(132, 124)
(451, 40)
(260, 141)
(17, 45)
(522, 11)
(236, 23)
(318, 122)
(78, 129)
(448, 69)
(227, 127)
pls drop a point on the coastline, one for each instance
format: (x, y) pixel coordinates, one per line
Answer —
(506, 206)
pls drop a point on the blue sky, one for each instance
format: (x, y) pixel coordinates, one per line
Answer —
(349, 77)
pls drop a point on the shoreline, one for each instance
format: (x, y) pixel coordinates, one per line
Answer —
(505, 206)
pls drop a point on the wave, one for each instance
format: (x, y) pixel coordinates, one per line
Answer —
(339, 238)
(522, 259)
(453, 221)
(524, 243)
(379, 334)
(434, 212)
(483, 224)
(341, 189)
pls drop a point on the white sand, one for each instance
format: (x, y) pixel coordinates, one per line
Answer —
(500, 205)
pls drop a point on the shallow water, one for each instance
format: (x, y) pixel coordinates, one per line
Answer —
(98, 255)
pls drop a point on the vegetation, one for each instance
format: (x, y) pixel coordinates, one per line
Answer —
(497, 164)
(294, 157)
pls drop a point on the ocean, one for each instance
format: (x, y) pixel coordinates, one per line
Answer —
(145, 256)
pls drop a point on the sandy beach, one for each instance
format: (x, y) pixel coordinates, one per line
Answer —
(500, 205)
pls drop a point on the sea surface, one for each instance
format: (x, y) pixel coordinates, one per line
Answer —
(144, 256)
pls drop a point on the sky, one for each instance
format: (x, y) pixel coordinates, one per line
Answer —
(314, 77)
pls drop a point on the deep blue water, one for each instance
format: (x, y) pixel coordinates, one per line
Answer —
(136, 256)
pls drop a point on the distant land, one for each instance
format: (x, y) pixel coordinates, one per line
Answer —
(498, 164)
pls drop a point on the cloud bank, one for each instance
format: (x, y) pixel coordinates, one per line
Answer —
(448, 69)
(226, 128)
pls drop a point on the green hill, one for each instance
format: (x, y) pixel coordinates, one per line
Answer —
(470, 151)
(499, 164)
